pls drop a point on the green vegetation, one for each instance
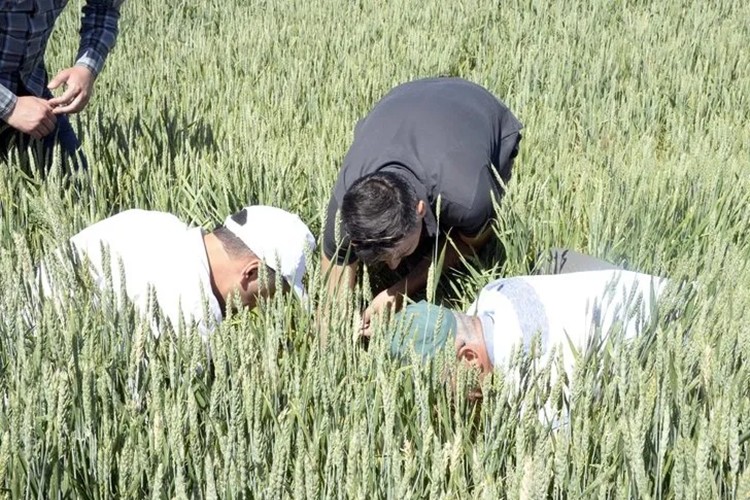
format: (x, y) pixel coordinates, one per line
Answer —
(635, 150)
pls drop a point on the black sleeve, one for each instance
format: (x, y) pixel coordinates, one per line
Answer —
(336, 251)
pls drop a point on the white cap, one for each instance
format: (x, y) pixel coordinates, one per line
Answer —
(278, 238)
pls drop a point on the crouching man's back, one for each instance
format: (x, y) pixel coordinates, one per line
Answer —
(151, 254)
(192, 276)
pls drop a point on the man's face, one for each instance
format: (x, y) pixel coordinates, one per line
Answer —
(470, 346)
(471, 352)
(406, 247)
(251, 290)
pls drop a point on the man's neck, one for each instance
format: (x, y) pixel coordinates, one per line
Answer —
(217, 261)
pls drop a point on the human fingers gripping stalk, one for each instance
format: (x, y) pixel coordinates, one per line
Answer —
(33, 116)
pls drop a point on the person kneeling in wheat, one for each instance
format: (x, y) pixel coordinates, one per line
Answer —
(568, 310)
(148, 254)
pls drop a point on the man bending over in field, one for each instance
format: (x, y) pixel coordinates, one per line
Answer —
(185, 267)
(430, 159)
(565, 309)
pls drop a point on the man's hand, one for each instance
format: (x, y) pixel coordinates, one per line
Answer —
(385, 302)
(33, 116)
(79, 85)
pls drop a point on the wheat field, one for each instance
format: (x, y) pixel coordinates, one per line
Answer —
(636, 149)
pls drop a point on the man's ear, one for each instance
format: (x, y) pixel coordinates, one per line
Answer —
(250, 272)
(467, 354)
(421, 208)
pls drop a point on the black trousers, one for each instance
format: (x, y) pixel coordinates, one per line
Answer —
(562, 261)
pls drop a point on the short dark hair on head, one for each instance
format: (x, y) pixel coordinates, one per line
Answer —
(236, 248)
(377, 212)
(232, 244)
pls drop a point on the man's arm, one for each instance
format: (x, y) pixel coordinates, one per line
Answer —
(334, 274)
(98, 36)
(98, 33)
(339, 274)
(7, 102)
(339, 277)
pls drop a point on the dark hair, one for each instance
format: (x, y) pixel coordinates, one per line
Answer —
(235, 247)
(377, 212)
(232, 244)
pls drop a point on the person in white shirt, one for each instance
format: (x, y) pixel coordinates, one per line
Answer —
(563, 309)
(153, 254)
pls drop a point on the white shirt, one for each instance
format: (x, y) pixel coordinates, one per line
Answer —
(564, 309)
(157, 252)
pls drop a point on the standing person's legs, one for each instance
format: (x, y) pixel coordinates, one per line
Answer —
(562, 261)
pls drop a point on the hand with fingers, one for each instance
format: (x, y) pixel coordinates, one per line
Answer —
(386, 302)
(33, 116)
(79, 85)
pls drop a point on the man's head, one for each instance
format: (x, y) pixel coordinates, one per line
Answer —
(382, 216)
(255, 240)
(244, 270)
(426, 328)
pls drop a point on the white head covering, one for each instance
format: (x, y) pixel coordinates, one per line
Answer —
(278, 238)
